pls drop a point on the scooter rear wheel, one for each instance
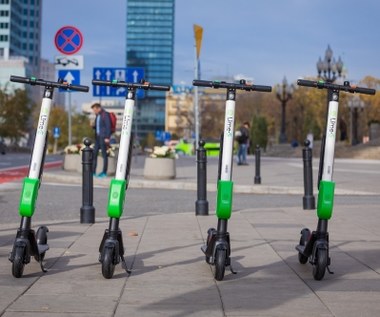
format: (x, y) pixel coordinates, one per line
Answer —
(319, 268)
(108, 268)
(41, 238)
(220, 263)
(18, 262)
(305, 234)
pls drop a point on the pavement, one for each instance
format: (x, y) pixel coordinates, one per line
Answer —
(169, 275)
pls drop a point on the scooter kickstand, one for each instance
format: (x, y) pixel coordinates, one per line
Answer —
(43, 268)
(232, 270)
(328, 270)
(124, 265)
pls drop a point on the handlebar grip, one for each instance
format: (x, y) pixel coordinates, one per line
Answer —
(204, 83)
(19, 79)
(367, 91)
(262, 88)
(101, 82)
(79, 88)
(306, 83)
(159, 87)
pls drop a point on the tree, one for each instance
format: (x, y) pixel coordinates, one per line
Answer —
(15, 112)
(259, 132)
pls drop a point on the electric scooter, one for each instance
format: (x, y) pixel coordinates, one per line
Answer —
(111, 247)
(27, 242)
(314, 246)
(218, 249)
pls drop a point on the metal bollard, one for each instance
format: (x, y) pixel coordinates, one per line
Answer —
(87, 211)
(201, 205)
(257, 165)
(308, 198)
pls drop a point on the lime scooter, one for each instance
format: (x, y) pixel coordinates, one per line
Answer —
(111, 247)
(218, 249)
(27, 242)
(314, 246)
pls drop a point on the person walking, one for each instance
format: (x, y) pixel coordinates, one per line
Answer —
(243, 141)
(102, 126)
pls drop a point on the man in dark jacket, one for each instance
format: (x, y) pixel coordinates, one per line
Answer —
(102, 126)
(243, 140)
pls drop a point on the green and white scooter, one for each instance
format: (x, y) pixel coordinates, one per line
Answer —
(218, 249)
(111, 247)
(314, 246)
(27, 242)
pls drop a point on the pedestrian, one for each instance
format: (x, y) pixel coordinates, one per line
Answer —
(102, 126)
(243, 141)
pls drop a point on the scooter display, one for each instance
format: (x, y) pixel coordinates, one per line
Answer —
(314, 246)
(27, 242)
(111, 247)
(218, 249)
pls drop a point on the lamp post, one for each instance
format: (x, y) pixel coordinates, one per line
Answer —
(329, 69)
(284, 93)
(355, 103)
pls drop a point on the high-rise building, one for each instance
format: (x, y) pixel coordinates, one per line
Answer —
(150, 44)
(20, 31)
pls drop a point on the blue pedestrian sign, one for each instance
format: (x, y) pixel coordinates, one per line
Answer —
(71, 76)
(56, 132)
(127, 74)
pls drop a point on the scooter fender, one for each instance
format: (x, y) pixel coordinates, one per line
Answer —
(20, 243)
(112, 244)
(320, 244)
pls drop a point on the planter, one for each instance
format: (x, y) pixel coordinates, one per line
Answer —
(112, 161)
(159, 168)
(71, 162)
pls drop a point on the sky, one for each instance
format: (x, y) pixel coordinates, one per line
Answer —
(261, 40)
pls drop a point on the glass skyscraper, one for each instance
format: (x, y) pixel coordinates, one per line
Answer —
(20, 31)
(150, 45)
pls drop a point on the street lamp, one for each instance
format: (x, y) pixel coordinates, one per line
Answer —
(284, 93)
(355, 103)
(329, 69)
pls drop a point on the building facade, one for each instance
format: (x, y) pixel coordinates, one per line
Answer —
(150, 44)
(20, 31)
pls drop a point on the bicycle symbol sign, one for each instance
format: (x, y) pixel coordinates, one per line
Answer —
(68, 40)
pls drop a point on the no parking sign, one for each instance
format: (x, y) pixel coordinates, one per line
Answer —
(68, 40)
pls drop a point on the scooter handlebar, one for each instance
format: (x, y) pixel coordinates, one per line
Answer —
(221, 84)
(346, 87)
(143, 85)
(40, 82)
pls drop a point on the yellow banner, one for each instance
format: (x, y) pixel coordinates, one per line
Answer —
(198, 32)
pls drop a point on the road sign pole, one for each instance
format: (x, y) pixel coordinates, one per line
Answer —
(69, 123)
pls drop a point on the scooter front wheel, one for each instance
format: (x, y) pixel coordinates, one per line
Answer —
(108, 266)
(18, 263)
(320, 266)
(305, 235)
(220, 263)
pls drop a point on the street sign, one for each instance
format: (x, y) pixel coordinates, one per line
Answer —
(71, 76)
(128, 74)
(56, 132)
(68, 40)
(69, 62)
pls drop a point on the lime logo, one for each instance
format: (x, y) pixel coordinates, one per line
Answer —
(332, 126)
(229, 126)
(115, 195)
(230, 112)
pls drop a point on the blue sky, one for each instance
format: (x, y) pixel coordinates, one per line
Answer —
(263, 40)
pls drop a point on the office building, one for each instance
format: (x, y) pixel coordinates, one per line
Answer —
(150, 44)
